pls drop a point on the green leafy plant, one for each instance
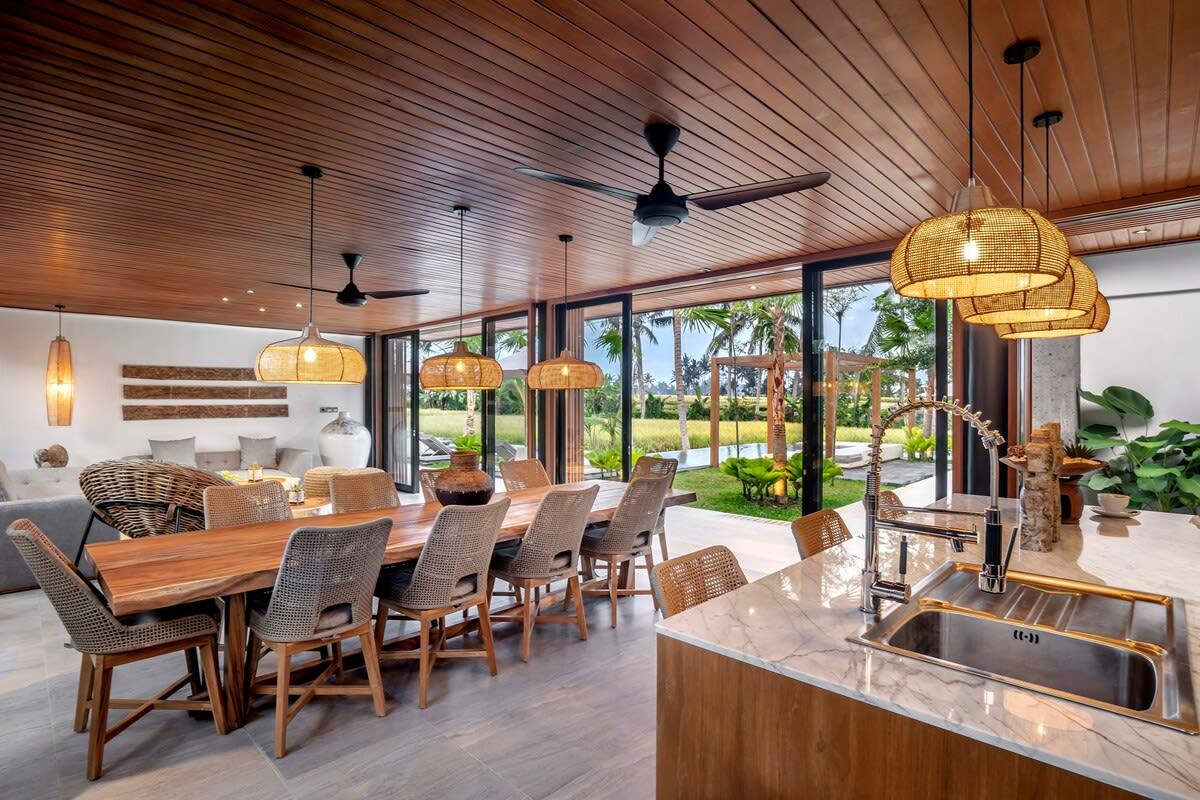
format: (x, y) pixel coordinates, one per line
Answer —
(1078, 449)
(917, 446)
(793, 470)
(757, 475)
(1160, 470)
(468, 441)
(831, 471)
(607, 461)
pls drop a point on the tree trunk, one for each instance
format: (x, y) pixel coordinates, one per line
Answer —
(640, 377)
(927, 423)
(778, 432)
(469, 422)
(759, 384)
(680, 403)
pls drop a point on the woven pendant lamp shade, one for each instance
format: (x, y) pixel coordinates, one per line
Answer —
(1073, 296)
(460, 370)
(60, 379)
(565, 372)
(1092, 322)
(310, 358)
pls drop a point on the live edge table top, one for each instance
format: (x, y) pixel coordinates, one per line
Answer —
(158, 571)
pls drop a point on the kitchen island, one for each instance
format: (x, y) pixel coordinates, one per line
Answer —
(760, 693)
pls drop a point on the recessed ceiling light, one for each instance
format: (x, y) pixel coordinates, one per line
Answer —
(249, 291)
(705, 269)
(299, 305)
(224, 299)
(1142, 231)
(753, 286)
(260, 308)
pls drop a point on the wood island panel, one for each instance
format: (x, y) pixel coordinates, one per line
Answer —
(729, 729)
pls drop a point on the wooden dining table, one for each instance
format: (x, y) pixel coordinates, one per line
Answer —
(154, 572)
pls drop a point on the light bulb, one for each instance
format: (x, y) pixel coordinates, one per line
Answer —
(459, 366)
(970, 250)
(310, 355)
(566, 370)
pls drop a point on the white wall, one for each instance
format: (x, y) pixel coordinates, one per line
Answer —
(99, 346)
(1152, 343)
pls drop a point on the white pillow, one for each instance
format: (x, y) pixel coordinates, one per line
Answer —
(175, 451)
(258, 451)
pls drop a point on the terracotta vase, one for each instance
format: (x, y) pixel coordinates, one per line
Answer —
(463, 483)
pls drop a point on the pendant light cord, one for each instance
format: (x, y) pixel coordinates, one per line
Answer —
(312, 214)
(1047, 169)
(462, 215)
(970, 91)
(565, 243)
(1021, 131)
(60, 308)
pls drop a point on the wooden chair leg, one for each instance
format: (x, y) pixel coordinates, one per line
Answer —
(282, 678)
(193, 667)
(83, 698)
(98, 732)
(424, 665)
(374, 676)
(649, 569)
(338, 667)
(485, 633)
(573, 590)
(212, 677)
(254, 648)
(381, 620)
(662, 542)
(612, 593)
(491, 587)
(527, 613)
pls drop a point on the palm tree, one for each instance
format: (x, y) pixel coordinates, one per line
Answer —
(609, 340)
(904, 333)
(779, 317)
(694, 318)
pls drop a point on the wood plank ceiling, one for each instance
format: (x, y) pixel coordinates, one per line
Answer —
(150, 151)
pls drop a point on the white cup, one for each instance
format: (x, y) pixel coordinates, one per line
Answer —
(1113, 503)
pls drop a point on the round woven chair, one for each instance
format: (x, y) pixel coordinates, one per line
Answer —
(147, 498)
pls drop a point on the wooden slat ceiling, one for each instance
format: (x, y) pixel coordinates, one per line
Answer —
(149, 151)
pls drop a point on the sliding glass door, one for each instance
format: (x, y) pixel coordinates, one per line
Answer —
(508, 417)
(399, 423)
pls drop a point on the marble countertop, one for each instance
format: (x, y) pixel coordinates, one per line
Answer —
(796, 622)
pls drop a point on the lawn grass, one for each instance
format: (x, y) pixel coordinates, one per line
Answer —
(649, 435)
(717, 492)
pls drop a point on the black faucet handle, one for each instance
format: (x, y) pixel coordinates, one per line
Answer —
(903, 557)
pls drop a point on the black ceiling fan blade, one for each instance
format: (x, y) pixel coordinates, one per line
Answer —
(396, 293)
(579, 183)
(748, 193)
(301, 286)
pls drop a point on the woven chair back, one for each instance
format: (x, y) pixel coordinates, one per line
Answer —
(819, 531)
(147, 498)
(456, 557)
(690, 580)
(528, 473)
(636, 516)
(428, 478)
(325, 570)
(651, 466)
(363, 491)
(552, 542)
(227, 506)
(888, 498)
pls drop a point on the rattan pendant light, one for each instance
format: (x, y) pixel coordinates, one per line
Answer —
(461, 369)
(60, 379)
(1073, 296)
(310, 357)
(1092, 322)
(566, 371)
(980, 248)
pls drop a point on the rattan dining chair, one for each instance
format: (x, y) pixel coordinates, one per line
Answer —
(695, 578)
(819, 531)
(626, 538)
(449, 576)
(139, 497)
(428, 480)
(888, 498)
(363, 491)
(107, 641)
(322, 596)
(656, 465)
(227, 506)
(526, 473)
(549, 551)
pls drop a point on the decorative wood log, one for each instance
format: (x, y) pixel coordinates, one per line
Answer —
(203, 412)
(166, 373)
(1042, 508)
(147, 391)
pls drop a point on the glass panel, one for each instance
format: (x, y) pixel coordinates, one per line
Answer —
(593, 432)
(508, 424)
(398, 411)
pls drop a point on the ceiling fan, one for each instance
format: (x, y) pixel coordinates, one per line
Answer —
(350, 294)
(661, 207)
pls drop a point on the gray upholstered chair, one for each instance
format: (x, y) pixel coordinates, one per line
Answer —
(527, 473)
(626, 538)
(227, 506)
(819, 531)
(428, 480)
(647, 466)
(107, 641)
(450, 576)
(322, 596)
(548, 552)
(363, 491)
(690, 580)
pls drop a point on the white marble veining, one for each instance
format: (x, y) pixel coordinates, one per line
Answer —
(796, 622)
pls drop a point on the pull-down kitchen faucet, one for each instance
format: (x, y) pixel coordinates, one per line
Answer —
(992, 572)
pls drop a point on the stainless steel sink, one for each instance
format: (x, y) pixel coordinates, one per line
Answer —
(1115, 649)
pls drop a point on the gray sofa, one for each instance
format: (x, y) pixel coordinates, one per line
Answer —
(290, 461)
(52, 499)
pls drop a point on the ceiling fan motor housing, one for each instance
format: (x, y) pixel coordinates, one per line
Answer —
(661, 208)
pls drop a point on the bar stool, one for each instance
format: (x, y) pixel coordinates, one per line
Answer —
(695, 578)
(819, 531)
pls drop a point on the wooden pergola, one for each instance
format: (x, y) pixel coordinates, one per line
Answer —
(835, 363)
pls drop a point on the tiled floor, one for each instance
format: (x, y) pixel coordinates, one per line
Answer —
(577, 721)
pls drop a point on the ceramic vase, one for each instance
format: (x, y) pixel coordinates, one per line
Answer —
(463, 483)
(344, 443)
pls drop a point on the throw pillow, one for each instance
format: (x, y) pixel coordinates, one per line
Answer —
(175, 451)
(5, 495)
(258, 451)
